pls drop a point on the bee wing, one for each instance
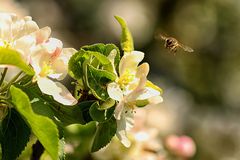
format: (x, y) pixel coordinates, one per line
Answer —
(158, 35)
(185, 48)
(162, 37)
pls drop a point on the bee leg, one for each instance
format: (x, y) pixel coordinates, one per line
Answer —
(174, 50)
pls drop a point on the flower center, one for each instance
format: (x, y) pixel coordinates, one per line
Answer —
(126, 78)
(46, 69)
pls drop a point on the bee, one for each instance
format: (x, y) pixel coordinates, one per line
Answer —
(173, 44)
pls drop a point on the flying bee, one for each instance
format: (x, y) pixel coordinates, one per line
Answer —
(172, 44)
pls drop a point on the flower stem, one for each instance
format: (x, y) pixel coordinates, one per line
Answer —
(10, 82)
(3, 75)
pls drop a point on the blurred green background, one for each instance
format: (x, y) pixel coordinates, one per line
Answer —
(201, 89)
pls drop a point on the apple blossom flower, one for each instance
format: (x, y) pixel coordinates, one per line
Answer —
(50, 60)
(46, 55)
(182, 146)
(15, 33)
(129, 88)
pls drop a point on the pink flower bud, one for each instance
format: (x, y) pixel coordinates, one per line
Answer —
(182, 146)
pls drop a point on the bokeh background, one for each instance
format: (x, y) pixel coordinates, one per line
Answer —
(201, 89)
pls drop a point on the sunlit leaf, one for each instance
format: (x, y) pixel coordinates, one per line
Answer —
(12, 57)
(97, 80)
(105, 132)
(43, 127)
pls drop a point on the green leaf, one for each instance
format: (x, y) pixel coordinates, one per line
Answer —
(105, 132)
(97, 80)
(15, 135)
(75, 64)
(45, 105)
(101, 58)
(107, 104)
(126, 37)
(96, 114)
(104, 49)
(43, 127)
(12, 57)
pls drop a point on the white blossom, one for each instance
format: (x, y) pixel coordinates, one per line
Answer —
(129, 88)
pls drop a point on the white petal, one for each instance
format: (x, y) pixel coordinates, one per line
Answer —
(67, 54)
(23, 45)
(58, 76)
(114, 91)
(60, 64)
(155, 100)
(5, 26)
(23, 27)
(142, 70)
(42, 34)
(139, 90)
(59, 92)
(122, 136)
(124, 125)
(59, 68)
(129, 118)
(119, 109)
(52, 44)
(148, 93)
(130, 62)
(30, 26)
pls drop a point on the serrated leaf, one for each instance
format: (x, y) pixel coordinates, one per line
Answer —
(97, 80)
(104, 49)
(12, 57)
(126, 36)
(43, 127)
(96, 114)
(75, 64)
(15, 135)
(101, 58)
(105, 132)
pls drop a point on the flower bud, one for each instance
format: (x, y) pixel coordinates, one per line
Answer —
(182, 146)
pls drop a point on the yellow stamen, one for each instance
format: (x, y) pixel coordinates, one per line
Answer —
(126, 78)
(46, 69)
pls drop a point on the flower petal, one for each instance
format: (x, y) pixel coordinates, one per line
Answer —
(148, 93)
(59, 92)
(142, 70)
(24, 45)
(122, 136)
(5, 23)
(130, 62)
(155, 100)
(42, 34)
(124, 125)
(119, 109)
(114, 91)
(60, 64)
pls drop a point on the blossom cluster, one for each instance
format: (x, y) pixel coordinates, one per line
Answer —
(108, 87)
(45, 54)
